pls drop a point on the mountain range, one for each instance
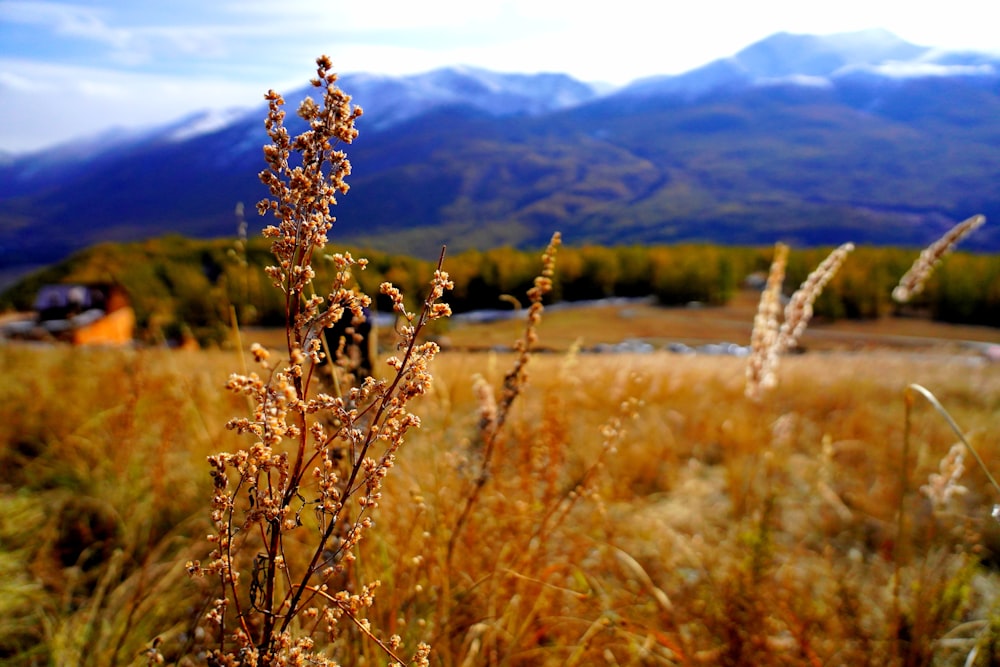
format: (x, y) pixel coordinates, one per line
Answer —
(806, 139)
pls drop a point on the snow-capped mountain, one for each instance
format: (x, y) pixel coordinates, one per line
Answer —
(390, 100)
(785, 54)
(387, 101)
(814, 140)
(813, 60)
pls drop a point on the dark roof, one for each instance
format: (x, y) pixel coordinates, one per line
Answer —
(58, 301)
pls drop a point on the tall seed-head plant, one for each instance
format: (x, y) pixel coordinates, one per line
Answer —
(912, 282)
(763, 340)
(493, 414)
(289, 510)
(770, 339)
(799, 309)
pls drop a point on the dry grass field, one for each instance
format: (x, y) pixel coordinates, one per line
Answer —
(500, 508)
(640, 510)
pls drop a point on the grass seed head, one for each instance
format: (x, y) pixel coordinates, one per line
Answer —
(912, 282)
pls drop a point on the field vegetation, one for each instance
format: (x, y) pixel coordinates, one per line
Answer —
(515, 509)
(708, 529)
(186, 286)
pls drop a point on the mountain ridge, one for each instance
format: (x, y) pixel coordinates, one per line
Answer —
(810, 153)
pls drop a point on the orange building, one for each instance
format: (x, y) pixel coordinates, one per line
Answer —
(97, 314)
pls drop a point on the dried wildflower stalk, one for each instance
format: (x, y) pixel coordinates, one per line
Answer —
(769, 340)
(953, 465)
(614, 433)
(799, 310)
(763, 349)
(289, 510)
(913, 280)
(493, 413)
(944, 485)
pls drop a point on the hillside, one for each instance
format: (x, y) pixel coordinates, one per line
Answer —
(803, 139)
(180, 287)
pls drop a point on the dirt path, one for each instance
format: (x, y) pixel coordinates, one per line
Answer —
(609, 324)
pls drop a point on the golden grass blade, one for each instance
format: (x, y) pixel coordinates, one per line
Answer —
(913, 280)
(799, 310)
(763, 352)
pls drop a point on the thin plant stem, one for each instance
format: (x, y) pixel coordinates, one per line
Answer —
(954, 427)
(909, 396)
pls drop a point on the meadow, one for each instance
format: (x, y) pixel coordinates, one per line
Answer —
(641, 510)
(232, 507)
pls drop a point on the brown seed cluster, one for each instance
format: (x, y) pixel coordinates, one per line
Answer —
(290, 509)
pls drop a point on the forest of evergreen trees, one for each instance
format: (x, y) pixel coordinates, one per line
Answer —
(182, 284)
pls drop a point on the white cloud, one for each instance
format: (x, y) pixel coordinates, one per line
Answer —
(385, 15)
(17, 84)
(168, 58)
(79, 101)
(906, 70)
(66, 19)
(797, 80)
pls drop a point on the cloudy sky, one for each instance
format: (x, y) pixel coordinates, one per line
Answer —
(78, 67)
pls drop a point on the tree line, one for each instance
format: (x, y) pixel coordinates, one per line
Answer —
(183, 285)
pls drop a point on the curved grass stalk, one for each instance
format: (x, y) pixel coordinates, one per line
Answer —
(909, 398)
(951, 422)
